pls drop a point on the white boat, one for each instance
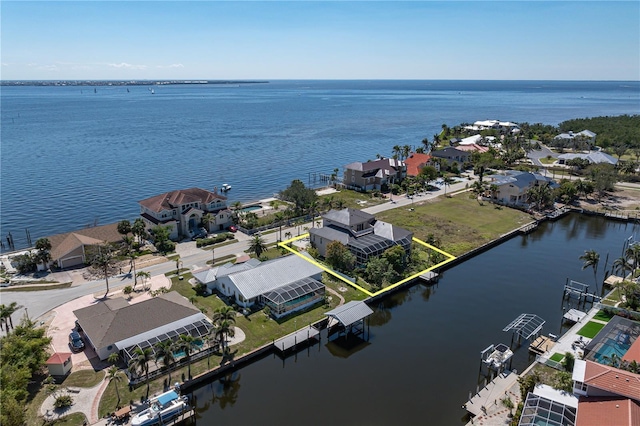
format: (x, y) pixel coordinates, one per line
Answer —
(161, 408)
(498, 357)
(225, 187)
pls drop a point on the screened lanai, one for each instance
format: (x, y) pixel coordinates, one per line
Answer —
(296, 295)
(367, 246)
(198, 328)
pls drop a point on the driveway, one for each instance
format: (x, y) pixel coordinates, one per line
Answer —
(543, 152)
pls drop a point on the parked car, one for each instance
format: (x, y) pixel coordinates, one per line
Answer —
(75, 341)
(233, 228)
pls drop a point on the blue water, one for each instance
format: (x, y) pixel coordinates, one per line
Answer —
(250, 208)
(72, 157)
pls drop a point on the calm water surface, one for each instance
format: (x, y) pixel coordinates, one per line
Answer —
(72, 157)
(423, 355)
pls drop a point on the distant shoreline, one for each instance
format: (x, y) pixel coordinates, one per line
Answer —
(121, 82)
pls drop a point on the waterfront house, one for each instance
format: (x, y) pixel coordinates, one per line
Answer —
(363, 235)
(69, 249)
(114, 325)
(182, 211)
(416, 161)
(373, 175)
(514, 185)
(605, 391)
(453, 155)
(286, 284)
(593, 157)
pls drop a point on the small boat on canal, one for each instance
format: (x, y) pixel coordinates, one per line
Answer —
(162, 408)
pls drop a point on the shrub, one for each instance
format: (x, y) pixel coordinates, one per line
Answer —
(63, 401)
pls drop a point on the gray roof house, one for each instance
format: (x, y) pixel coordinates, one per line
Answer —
(283, 283)
(513, 186)
(594, 157)
(360, 232)
(373, 174)
(115, 325)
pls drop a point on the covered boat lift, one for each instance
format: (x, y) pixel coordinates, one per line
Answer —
(349, 316)
(525, 326)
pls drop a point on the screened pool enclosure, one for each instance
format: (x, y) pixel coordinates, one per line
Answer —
(291, 297)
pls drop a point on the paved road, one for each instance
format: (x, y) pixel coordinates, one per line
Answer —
(38, 303)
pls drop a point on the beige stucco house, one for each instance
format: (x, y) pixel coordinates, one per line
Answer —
(373, 175)
(182, 211)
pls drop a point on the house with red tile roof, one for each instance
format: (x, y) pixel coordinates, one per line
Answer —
(416, 161)
(182, 211)
(611, 411)
(594, 381)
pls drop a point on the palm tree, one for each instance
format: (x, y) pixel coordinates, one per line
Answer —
(591, 259)
(187, 343)
(621, 264)
(139, 229)
(124, 227)
(447, 181)
(164, 353)
(257, 245)
(43, 245)
(287, 235)
(140, 363)
(613, 360)
(113, 358)
(10, 310)
(113, 377)
(224, 313)
(104, 259)
(207, 219)
(278, 217)
(224, 329)
(3, 318)
(144, 275)
(396, 151)
(633, 253)
(313, 206)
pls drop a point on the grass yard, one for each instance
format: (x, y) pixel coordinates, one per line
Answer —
(459, 223)
(603, 316)
(353, 199)
(83, 379)
(590, 329)
(557, 357)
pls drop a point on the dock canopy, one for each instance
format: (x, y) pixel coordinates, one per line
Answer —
(526, 325)
(349, 313)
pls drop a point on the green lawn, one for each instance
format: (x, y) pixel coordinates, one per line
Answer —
(590, 329)
(603, 316)
(557, 357)
(459, 223)
(545, 160)
(83, 379)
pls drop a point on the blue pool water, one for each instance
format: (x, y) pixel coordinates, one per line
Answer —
(179, 354)
(250, 208)
(610, 347)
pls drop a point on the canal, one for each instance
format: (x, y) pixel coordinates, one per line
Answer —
(423, 355)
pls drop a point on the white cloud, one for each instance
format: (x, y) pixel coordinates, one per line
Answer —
(171, 66)
(128, 66)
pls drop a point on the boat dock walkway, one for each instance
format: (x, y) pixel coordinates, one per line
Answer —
(487, 403)
(287, 342)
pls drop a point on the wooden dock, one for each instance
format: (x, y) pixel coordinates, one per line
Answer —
(290, 341)
(541, 345)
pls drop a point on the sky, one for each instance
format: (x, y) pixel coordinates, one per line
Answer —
(268, 40)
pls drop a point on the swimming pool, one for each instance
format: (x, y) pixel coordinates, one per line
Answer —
(250, 208)
(610, 347)
(179, 354)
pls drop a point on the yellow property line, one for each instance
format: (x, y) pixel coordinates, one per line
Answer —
(449, 258)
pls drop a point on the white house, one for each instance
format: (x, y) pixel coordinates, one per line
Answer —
(513, 186)
(285, 284)
(593, 157)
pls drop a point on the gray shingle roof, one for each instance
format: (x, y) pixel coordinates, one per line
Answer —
(331, 233)
(106, 324)
(348, 216)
